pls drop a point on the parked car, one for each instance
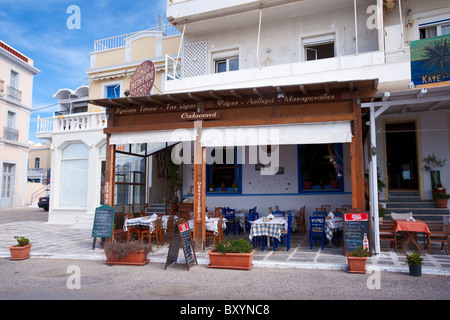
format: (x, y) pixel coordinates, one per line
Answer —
(44, 202)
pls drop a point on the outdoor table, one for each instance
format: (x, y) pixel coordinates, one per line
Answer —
(332, 225)
(411, 228)
(270, 228)
(147, 221)
(211, 224)
(241, 218)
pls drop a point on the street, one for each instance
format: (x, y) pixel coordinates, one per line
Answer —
(59, 279)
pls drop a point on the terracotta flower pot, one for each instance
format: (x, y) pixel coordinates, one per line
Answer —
(441, 203)
(20, 253)
(133, 259)
(239, 261)
(334, 184)
(307, 185)
(356, 264)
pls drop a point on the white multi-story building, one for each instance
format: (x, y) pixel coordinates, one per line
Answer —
(16, 86)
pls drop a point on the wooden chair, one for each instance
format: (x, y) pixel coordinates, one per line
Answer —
(217, 238)
(155, 234)
(132, 231)
(270, 210)
(438, 233)
(346, 207)
(321, 210)
(277, 208)
(387, 233)
(218, 211)
(327, 207)
(302, 220)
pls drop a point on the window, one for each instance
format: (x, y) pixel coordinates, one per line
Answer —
(113, 91)
(320, 47)
(223, 171)
(37, 163)
(225, 61)
(7, 180)
(14, 80)
(433, 29)
(74, 176)
(10, 130)
(320, 167)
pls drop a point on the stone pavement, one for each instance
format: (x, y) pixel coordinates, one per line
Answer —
(66, 242)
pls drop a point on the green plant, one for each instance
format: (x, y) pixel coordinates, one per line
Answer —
(21, 241)
(123, 249)
(413, 258)
(234, 246)
(360, 252)
(235, 185)
(431, 164)
(382, 212)
(380, 182)
(441, 196)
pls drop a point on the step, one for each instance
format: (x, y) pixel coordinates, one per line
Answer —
(402, 193)
(155, 208)
(407, 204)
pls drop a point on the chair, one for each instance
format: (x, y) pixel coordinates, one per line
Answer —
(387, 233)
(279, 213)
(302, 220)
(132, 231)
(346, 207)
(270, 210)
(395, 215)
(216, 237)
(170, 225)
(230, 215)
(277, 208)
(316, 231)
(319, 214)
(326, 207)
(156, 233)
(439, 236)
(218, 211)
(256, 239)
(285, 235)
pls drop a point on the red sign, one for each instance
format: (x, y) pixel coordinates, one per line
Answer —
(142, 79)
(183, 227)
(362, 216)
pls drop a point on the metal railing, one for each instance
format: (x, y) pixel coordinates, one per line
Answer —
(120, 41)
(10, 134)
(14, 93)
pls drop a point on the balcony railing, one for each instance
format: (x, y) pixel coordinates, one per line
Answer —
(14, 93)
(10, 134)
(2, 87)
(119, 41)
(71, 123)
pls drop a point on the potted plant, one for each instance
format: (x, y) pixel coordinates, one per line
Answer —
(414, 261)
(21, 250)
(381, 213)
(441, 199)
(235, 186)
(232, 254)
(357, 260)
(211, 187)
(127, 253)
(432, 163)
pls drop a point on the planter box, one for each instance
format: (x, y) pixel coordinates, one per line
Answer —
(238, 261)
(20, 253)
(356, 264)
(134, 259)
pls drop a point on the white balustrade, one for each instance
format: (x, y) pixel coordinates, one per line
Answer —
(72, 122)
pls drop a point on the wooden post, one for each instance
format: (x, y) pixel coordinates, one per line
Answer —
(199, 189)
(110, 173)
(357, 159)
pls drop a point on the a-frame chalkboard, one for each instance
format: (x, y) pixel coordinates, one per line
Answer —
(103, 223)
(181, 236)
(356, 231)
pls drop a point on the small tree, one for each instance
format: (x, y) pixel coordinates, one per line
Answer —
(431, 164)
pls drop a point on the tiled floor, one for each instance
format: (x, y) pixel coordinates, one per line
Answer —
(65, 242)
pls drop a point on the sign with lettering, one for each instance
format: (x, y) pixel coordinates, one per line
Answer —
(198, 199)
(194, 116)
(356, 231)
(181, 237)
(142, 79)
(103, 223)
(430, 61)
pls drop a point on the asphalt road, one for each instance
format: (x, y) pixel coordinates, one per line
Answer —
(52, 279)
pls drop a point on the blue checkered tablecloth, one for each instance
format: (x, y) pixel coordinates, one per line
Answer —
(332, 225)
(270, 228)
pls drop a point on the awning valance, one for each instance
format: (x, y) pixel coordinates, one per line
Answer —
(159, 136)
(304, 133)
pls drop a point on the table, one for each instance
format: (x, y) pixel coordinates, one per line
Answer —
(270, 228)
(147, 221)
(411, 228)
(332, 225)
(211, 224)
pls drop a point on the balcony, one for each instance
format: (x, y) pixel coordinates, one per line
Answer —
(72, 123)
(10, 134)
(14, 93)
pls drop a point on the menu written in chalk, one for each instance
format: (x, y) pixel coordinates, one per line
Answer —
(103, 222)
(356, 231)
(184, 241)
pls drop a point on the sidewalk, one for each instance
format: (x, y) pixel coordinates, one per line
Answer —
(66, 242)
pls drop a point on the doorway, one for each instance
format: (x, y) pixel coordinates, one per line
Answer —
(401, 149)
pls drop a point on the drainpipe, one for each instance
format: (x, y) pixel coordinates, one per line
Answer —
(259, 35)
(356, 27)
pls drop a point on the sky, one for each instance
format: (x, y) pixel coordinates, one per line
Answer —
(39, 30)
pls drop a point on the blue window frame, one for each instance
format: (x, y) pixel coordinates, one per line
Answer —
(222, 176)
(113, 91)
(316, 168)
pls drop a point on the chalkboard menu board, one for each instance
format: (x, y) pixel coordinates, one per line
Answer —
(356, 231)
(181, 237)
(103, 222)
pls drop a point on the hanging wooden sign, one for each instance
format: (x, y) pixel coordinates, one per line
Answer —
(142, 79)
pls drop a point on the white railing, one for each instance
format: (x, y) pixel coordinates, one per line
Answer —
(71, 123)
(173, 68)
(168, 30)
